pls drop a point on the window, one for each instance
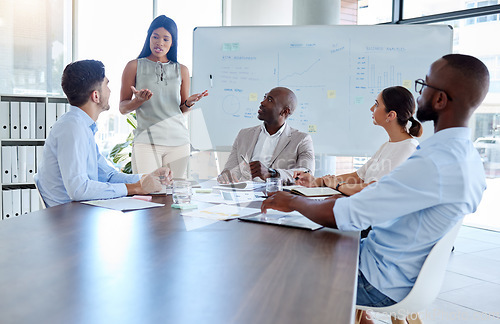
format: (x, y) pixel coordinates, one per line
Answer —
(118, 38)
(35, 38)
(371, 12)
(189, 14)
(115, 40)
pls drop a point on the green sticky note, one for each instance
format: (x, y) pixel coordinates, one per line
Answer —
(184, 206)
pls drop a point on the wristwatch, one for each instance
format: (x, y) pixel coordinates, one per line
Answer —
(273, 172)
(338, 185)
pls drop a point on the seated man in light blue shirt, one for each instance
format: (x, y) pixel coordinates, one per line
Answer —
(72, 168)
(415, 205)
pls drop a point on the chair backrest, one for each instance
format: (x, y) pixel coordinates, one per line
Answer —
(429, 280)
(35, 180)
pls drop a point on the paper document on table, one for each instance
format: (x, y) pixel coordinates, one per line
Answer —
(222, 212)
(124, 203)
(293, 219)
(228, 197)
(247, 185)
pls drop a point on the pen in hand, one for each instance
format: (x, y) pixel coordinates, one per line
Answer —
(244, 160)
(297, 177)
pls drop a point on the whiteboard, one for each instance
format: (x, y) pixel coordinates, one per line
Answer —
(335, 71)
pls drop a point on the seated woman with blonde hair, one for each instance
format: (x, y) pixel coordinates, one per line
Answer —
(393, 109)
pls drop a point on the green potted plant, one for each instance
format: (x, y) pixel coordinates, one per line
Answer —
(123, 152)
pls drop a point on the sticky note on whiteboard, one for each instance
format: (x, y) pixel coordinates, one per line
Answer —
(313, 129)
(359, 100)
(230, 47)
(331, 94)
(253, 96)
(407, 84)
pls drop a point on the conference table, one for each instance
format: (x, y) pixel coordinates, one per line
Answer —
(77, 263)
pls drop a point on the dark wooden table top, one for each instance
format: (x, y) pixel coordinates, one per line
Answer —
(76, 263)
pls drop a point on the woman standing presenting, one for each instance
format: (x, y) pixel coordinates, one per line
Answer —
(393, 109)
(161, 137)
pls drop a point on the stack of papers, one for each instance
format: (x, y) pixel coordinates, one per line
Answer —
(124, 203)
(293, 219)
(247, 185)
(222, 212)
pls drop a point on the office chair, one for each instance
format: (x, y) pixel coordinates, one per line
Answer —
(427, 285)
(35, 180)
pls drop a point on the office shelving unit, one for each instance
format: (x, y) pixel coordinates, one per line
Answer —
(25, 121)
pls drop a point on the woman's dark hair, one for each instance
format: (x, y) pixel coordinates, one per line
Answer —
(80, 78)
(171, 27)
(402, 102)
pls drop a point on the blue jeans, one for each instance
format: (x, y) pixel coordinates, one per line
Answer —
(369, 295)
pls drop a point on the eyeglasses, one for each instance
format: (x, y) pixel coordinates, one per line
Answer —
(420, 84)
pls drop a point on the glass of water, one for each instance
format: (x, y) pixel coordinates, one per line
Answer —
(181, 192)
(273, 185)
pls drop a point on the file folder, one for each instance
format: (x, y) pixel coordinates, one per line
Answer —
(14, 120)
(39, 157)
(4, 120)
(30, 163)
(35, 200)
(21, 163)
(32, 120)
(25, 201)
(61, 110)
(50, 116)
(16, 202)
(7, 203)
(6, 161)
(25, 119)
(14, 174)
(40, 120)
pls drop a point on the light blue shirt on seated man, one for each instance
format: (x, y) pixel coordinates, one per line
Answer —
(72, 168)
(412, 208)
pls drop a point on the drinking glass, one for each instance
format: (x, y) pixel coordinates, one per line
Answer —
(181, 192)
(273, 185)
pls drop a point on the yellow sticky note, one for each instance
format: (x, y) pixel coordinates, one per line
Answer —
(313, 129)
(331, 94)
(253, 97)
(407, 84)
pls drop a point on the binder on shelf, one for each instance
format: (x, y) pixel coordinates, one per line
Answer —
(61, 110)
(14, 120)
(25, 201)
(39, 157)
(24, 117)
(16, 202)
(40, 120)
(30, 163)
(7, 203)
(50, 116)
(4, 120)
(21, 163)
(35, 200)
(32, 120)
(6, 161)
(14, 173)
